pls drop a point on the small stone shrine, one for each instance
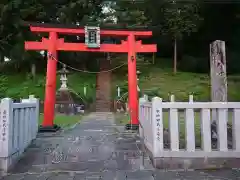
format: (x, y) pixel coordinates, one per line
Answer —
(66, 101)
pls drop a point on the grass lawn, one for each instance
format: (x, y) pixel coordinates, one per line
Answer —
(154, 80)
(63, 120)
(20, 86)
(157, 81)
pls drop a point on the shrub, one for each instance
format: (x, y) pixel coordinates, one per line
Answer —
(194, 64)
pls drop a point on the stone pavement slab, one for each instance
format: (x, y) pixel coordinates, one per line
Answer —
(96, 149)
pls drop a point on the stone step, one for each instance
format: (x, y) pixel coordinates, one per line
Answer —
(100, 91)
(102, 108)
(102, 105)
(104, 93)
(102, 102)
(103, 89)
(103, 98)
(100, 88)
(106, 86)
(106, 109)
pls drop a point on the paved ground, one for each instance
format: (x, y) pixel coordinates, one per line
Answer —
(97, 149)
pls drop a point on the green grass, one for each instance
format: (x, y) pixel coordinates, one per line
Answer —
(63, 120)
(157, 81)
(20, 85)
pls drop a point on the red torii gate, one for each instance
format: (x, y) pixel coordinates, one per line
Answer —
(54, 44)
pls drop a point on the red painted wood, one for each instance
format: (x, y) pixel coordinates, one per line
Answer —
(50, 89)
(53, 44)
(82, 47)
(132, 81)
(81, 31)
(30, 45)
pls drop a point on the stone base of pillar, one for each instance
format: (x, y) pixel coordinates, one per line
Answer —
(133, 127)
(53, 128)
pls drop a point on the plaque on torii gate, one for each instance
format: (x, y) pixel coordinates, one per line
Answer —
(92, 36)
(53, 44)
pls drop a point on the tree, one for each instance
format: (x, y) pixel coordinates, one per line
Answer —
(15, 12)
(179, 19)
(130, 13)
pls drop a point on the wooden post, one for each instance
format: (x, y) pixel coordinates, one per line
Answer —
(218, 73)
(118, 91)
(85, 91)
(50, 89)
(6, 128)
(153, 58)
(132, 82)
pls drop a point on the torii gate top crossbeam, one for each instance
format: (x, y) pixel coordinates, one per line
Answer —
(80, 30)
(61, 45)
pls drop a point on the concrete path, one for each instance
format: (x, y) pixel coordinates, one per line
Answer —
(97, 149)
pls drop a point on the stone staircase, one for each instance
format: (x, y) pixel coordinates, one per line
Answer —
(103, 88)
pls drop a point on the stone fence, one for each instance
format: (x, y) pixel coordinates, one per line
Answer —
(181, 135)
(18, 127)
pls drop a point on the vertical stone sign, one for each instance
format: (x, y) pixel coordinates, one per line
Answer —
(158, 119)
(3, 125)
(157, 125)
(6, 127)
(218, 74)
(218, 71)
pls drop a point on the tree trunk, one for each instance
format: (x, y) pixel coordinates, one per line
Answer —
(175, 57)
(153, 58)
(1, 58)
(109, 57)
(33, 70)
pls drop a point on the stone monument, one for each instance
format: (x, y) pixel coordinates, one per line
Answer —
(63, 78)
(65, 99)
(218, 86)
(218, 73)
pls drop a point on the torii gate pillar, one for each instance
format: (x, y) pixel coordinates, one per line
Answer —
(132, 83)
(50, 89)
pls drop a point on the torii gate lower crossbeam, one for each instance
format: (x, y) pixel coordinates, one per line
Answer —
(54, 44)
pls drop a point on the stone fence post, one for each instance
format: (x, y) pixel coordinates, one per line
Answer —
(142, 100)
(157, 126)
(6, 126)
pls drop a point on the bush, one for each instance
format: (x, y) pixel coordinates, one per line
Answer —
(3, 85)
(194, 64)
(233, 62)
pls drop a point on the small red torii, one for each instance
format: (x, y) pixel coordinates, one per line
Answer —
(54, 44)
